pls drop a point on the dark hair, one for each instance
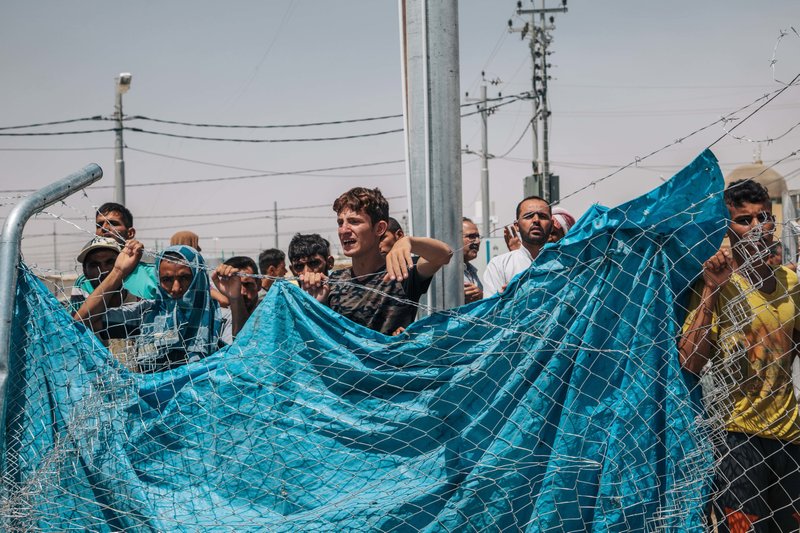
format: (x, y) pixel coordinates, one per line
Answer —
(465, 219)
(241, 262)
(370, 200)
(307, 245)
(111, 207)
(746, 190)
(270, 258)
(532, 197)
(394, 226)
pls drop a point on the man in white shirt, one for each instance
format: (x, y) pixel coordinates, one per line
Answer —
(533, 224)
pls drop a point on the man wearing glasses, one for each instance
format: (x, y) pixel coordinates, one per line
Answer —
(533, 225)
(744, 324)
(473, 288)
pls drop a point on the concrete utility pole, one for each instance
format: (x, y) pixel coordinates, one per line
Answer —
(484, 161)
(541, 182)
(275, 217)
(431, 107)
(485, 156)
(55, 249)
(123, 83)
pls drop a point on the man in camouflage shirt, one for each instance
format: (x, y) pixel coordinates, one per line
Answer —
(379, 292)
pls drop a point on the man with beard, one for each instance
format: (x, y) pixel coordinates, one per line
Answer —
(473, 288)
(533, 225)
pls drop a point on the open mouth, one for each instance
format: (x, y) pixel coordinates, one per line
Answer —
(348, 242)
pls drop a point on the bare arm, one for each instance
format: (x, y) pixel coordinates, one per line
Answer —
(91, 312)
(434, 254)
(695, 345)
(229, 284)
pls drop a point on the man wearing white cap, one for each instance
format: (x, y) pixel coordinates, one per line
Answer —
(562, 222)
(97, 259)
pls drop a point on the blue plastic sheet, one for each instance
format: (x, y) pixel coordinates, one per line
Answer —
(558, 405)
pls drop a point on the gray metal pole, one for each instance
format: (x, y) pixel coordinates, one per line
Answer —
(535, 95)
(55, 248)
(485, 163)
(545, 112)
(275, 217)
(9, 257)
(433, 134)
(119, 161)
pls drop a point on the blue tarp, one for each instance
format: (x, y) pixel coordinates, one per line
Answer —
(558, 405)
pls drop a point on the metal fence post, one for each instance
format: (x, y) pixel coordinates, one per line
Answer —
(9, 259)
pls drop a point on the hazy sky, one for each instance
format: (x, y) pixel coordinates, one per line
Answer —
(628, 77)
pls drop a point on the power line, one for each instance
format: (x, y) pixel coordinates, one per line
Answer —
(209, 125)
(264, 126)
(510, 99)
(52, 133)
(88, 148)
(240, 140)
(235, 178)
(233, 167)
(251, 176)
(53, 123)
(225, 213)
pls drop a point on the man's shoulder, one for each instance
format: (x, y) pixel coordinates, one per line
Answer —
(142, 281)
(503, 258)
(341, 274)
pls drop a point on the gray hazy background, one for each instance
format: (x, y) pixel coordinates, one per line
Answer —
(628, 78)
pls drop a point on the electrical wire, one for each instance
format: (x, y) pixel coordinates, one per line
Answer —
(53, 123)
(249, 176)
(53, 133)
(240, 140)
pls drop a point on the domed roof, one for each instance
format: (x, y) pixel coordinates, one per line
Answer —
(767, 177)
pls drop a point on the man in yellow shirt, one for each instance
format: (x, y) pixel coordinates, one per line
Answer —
(745, 320)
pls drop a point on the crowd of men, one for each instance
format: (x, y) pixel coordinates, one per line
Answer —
(171, 312)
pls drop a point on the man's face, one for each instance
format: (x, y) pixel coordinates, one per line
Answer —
(275, 271)
(534, 223)
(357, 234)
(112, 225)
(556, 233)
(97, 265)
(174, 278)
(312, 263)
(250, 288)
(752, 230)
(388, 240)
(472, 240)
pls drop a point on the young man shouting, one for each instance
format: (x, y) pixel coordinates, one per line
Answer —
(378, 291)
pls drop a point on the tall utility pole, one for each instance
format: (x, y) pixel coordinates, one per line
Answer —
(484, 161)
(485, 112)
(541, 182)
(55, 249)
(275, 217)
(123, 83)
